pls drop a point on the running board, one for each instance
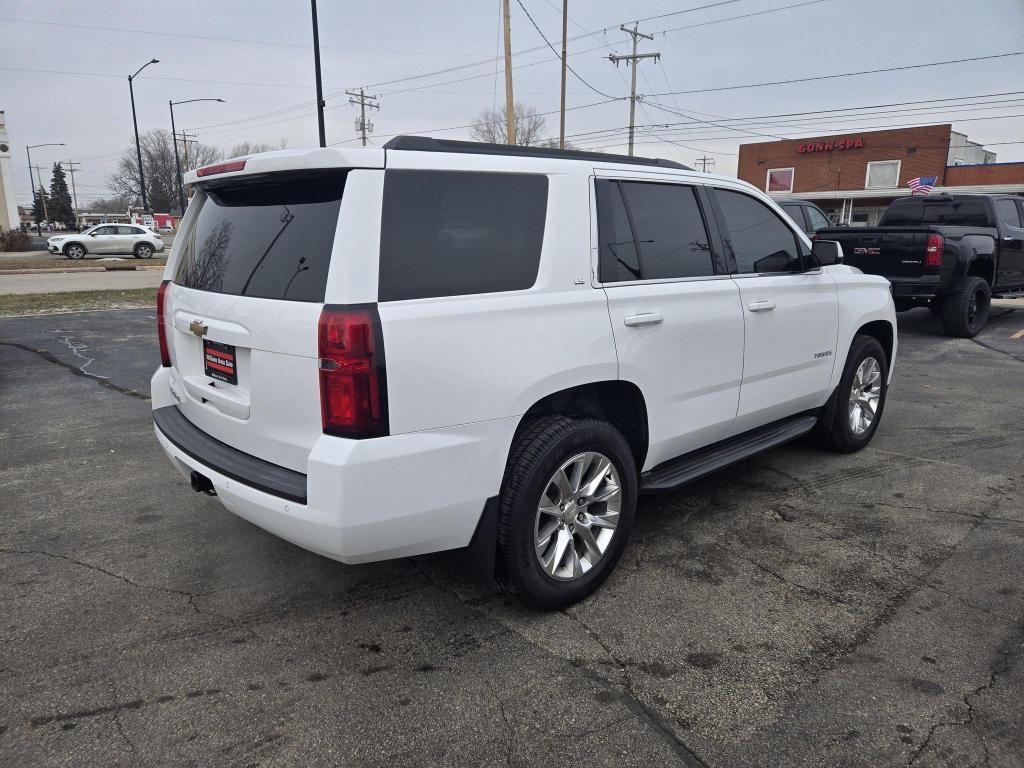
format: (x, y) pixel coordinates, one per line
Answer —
(673, 473)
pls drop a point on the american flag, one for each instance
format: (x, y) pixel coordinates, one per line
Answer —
(922, 185)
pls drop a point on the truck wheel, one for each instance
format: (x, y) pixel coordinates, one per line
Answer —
(965, 312)
(567, 505)
(851, 416)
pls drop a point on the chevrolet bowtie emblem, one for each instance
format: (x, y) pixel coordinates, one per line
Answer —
(198, 328)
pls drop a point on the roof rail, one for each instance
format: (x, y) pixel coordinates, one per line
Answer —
(428, 144)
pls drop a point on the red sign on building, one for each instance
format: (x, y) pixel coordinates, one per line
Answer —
(829, 146)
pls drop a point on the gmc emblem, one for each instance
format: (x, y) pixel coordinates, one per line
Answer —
(867, 251)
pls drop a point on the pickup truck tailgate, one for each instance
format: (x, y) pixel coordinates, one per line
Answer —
(893, 253)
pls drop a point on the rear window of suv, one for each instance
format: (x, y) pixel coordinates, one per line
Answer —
(454, 233)
(269, 236)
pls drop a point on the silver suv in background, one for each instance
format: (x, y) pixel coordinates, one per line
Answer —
(108, 240)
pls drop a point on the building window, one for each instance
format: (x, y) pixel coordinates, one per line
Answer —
(779, 180)
(883, 174)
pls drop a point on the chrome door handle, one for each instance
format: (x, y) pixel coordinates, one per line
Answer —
(761, 306)
(648, 318)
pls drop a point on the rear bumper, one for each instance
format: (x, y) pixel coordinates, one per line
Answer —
(923, 287)
(365, 500)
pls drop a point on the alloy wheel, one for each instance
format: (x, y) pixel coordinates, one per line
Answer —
(865, 394)
(577, 516)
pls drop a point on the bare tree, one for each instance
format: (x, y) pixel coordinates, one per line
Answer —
(490, 126)
(254, 148)
(158, 162)
(110, 205)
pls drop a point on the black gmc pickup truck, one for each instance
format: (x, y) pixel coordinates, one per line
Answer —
(952, 253)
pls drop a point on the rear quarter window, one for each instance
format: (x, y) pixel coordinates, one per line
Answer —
(455, 233)
(269, 236)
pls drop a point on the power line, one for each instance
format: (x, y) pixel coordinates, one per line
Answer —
(559, 57)
(844, 74)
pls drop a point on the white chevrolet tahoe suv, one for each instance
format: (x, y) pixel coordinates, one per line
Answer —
(383, 352)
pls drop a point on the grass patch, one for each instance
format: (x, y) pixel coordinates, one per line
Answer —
(72, 264)
(76, 301)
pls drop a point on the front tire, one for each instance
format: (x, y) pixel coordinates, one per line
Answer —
(852, 414)
(965, 313)
(567, 505)
(74, 251)
(143, 251)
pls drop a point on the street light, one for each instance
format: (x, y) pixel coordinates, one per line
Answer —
(174, 138)
(135, 122)
(39, 229)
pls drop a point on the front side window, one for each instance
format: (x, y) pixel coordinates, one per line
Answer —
(651, 231)
(883, 174)
(455, 233)
(818, 219)
(1009, 216)
(780, 180)
(760, 240)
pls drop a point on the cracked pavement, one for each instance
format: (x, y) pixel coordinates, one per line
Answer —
(801, 609)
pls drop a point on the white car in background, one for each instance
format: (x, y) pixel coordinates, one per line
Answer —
(108, 240)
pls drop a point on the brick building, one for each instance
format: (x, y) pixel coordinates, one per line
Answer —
(854, 176)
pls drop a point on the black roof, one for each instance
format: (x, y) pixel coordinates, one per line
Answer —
(428, 144)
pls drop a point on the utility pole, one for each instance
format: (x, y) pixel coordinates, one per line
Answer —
(705, 163)
(74, 193)
(634, 59)
(510, 105)
(363, 101)
(561, 116)
(186, 139)
(135, 123)
(319, 82)
(42, 193)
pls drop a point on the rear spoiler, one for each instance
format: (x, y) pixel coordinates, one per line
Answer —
(289, 160)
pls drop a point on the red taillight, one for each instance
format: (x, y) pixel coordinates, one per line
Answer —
(933, 251)
(353, 381)
(165, 355)
(211, 170)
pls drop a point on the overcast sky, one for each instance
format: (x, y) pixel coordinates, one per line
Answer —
(63, 70)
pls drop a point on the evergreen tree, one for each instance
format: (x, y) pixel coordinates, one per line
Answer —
(60, 198)
(39, 207)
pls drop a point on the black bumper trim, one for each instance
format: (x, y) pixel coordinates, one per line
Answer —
(228, 461)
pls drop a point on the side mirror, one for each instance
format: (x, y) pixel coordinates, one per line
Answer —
(92, 234)
(827, 252)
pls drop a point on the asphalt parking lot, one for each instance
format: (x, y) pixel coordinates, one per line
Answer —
(801, 609)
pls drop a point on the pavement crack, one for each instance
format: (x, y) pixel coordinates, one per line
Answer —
(116, 709)
(813, 591)
(996, 349)
(633, 702)
(103, 382)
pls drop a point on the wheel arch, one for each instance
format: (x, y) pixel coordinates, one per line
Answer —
(619, 402)
(884, 332)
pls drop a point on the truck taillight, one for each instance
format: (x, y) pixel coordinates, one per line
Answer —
(161, 294)
(933, 251)
(353, 380)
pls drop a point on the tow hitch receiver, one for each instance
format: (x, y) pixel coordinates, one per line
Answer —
(201, 484)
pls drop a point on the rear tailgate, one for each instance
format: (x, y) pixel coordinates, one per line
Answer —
(893, 252)
(249, 279)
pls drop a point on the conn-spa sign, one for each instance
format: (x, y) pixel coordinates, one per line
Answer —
(829, 146)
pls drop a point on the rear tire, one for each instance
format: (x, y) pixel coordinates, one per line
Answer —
(143, 251)
(965, 312)
(839, 429)
(532, 502)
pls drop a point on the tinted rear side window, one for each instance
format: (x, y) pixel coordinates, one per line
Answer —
(269, 237)
(669, 229)
(454, 233)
